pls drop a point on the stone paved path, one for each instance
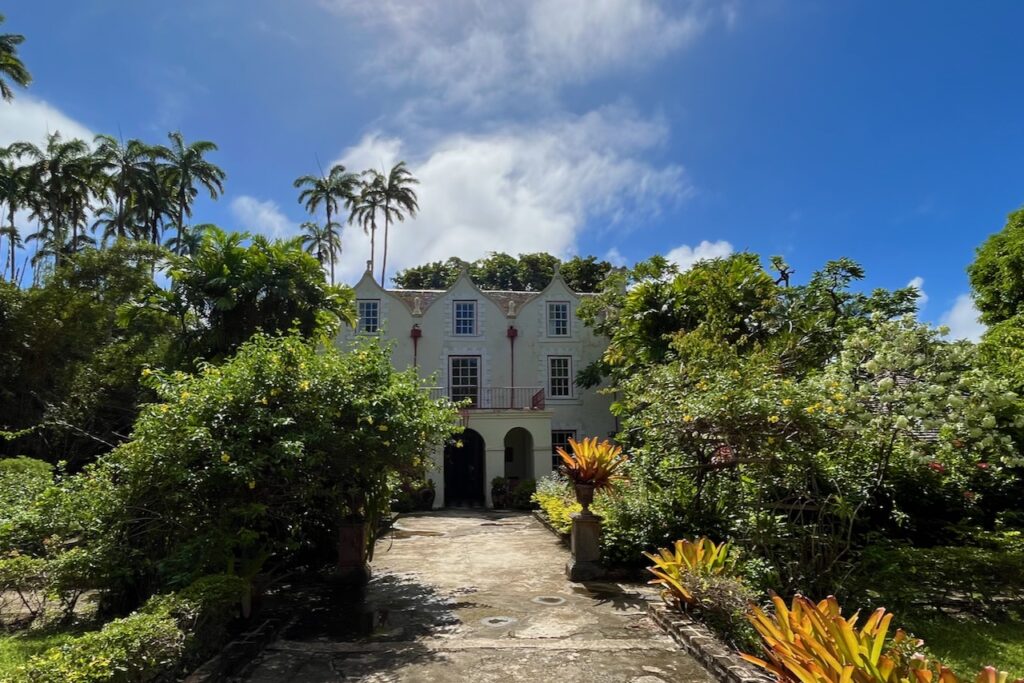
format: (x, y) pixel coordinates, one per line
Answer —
(475, 596)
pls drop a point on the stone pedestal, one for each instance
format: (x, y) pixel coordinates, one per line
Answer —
(352, 569)
(585, 563)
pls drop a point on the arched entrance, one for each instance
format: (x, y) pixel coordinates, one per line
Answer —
(464, 471)
(518, 455)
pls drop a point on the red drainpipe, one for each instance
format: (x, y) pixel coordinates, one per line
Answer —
(415, 333)
(512, 334)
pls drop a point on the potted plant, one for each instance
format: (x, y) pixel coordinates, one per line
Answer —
(591, 467)
(499, 492)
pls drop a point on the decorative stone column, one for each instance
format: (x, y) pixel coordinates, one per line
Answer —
(585, 563)
(352, 569)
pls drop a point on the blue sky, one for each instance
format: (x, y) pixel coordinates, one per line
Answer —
(892, 133)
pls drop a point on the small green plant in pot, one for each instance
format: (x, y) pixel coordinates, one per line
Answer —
(591, 467)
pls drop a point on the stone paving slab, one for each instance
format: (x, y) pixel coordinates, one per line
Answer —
(475, 596)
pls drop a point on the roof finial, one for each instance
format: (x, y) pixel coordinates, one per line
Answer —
(369, 266)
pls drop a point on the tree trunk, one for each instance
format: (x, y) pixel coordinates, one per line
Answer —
(387, 224)
(373, 243)
(13, 233)
(181, 218)
(330, 240)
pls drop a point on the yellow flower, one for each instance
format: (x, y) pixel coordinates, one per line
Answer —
(146, 372)
(275, 391)
(264, 400)
(828, 409)
(252, 485)
(773, 418)
(810, 410)
(224, 457)
(304, 385)
(786, 401)
(687, 418)
(164, 408)
(382, 428)
(838, 397)
(771, 439)
(185, 395)
(702, 385)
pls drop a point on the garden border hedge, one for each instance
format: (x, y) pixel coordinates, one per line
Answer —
(699, 641)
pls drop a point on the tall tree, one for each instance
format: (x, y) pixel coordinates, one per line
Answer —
(319, 240)
(187, 171)
(62, 179)
(11, 67)
(366, 207)
(331, 191)
(399, 201)
(124, 167)
(13, 195)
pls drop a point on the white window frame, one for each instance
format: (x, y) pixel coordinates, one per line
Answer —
(457, 391)
(567, 378)
(552, 320)
(456, 319)
(361, 324)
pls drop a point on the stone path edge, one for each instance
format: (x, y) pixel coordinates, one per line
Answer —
(542, 518)
(237, 655)
(699, 641)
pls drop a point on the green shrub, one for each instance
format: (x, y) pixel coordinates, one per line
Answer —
(522, 494)
(167, 635)
(134, 649)
(556, 501)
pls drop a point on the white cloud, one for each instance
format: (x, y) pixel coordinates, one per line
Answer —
(962, 319)
(922, 296)
(615, 257)
(263, 217)
(686, 256)
(29, 119)
(517, 188)
(483, 54)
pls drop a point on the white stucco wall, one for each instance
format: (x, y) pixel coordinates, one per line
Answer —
(585, 411)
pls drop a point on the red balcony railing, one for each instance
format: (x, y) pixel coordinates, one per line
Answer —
(494, 398)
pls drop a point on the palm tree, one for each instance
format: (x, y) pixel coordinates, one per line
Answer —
(320, 240)
(187, 170)
(61, 180)
(13, 190)
(399, 200)
(333, 190)
(364, 211)
(10, 66)
(189, 243)
(124, 167)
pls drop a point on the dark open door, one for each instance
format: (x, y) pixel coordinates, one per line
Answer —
(464, 471)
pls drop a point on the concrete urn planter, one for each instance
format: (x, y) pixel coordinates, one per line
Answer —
(585, 496)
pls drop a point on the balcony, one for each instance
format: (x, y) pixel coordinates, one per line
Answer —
(494, 398)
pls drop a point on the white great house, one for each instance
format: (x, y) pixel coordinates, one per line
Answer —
(514, 355)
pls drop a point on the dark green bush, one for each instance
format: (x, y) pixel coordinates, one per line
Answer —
(168, 635)
(522, 495)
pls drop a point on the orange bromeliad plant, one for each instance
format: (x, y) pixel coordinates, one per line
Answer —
(701, 557)
(592, 462)
(814, 643)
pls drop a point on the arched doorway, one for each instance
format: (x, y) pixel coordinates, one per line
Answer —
(464, 471)
(518, 455)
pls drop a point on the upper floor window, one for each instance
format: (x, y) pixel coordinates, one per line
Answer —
(369, 315)
(558, 318)
(464, 317)
(559, 376)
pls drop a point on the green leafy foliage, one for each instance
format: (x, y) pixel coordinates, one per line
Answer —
(226, 291)
(528, 272)
(170, 633)
(69, 383)
(997, 273)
